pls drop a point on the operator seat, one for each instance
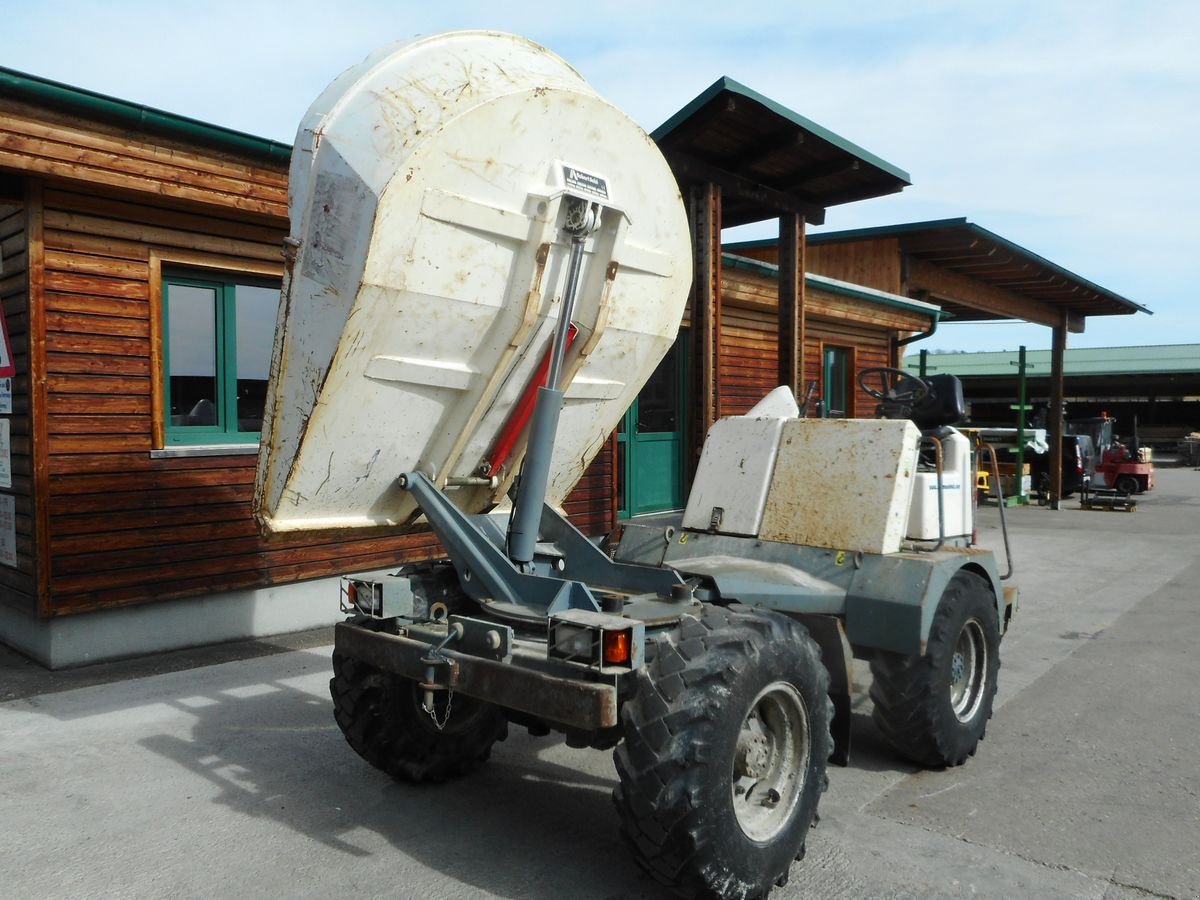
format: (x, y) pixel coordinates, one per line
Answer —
(942, 407)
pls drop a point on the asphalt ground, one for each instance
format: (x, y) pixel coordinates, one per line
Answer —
(219, 772)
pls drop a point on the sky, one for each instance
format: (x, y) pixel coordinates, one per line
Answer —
(1070, 128)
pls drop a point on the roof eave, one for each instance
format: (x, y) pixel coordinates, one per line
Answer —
(138, 116)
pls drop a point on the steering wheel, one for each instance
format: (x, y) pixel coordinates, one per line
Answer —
(895, 385)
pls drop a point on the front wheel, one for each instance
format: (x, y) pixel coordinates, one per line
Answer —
(934, 709)
(1128, 484)
(723, 762)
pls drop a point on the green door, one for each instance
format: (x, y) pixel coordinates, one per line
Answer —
(650, 442)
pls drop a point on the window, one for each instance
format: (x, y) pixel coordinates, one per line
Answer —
(837, 396)
(217, 335)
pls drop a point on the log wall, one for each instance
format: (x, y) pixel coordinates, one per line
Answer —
(874, 263)
(127, 527)
(63, 147)
(18, 584)
(750, 339)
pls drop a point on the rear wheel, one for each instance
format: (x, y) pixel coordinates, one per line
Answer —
(1127, 484)
(382, 718)
(934, 709)
(723, 762)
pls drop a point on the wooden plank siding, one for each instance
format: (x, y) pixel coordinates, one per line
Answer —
(103, 521)
(750, 342)
(869, 347)
(125, 527)
(872, 263)
(18, 584)
(749, 358)
(64, 148)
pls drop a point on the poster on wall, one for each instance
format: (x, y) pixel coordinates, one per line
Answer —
(5, 396)
(7, 369)
(5, 454)
(8, 530)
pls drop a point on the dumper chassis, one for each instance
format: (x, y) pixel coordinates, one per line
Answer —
(723, 714)
(441, 312)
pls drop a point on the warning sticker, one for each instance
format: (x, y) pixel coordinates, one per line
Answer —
(5, 454)
(581, 182)
(8, 530)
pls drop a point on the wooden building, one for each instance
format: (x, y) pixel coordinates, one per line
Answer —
(972, 275)
(141, 262)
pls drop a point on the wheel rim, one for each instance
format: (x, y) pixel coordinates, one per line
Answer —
(968, 671)
(770, 762)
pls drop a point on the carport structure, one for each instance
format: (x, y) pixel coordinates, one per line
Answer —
(974, 275)
(741, 157)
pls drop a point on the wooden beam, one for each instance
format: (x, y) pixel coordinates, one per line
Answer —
(791, 303)
(704, 210)
(35, 228)
(960, 289)
(688, 168)
(814, 173)
(793, 137)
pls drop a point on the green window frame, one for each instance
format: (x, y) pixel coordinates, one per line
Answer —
(214, 379)
(838, 394)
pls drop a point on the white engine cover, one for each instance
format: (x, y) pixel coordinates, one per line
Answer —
(845, 484)
(734, 475)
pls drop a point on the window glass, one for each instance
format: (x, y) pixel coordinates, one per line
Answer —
(192, 385)
(837, 374)
(219, 333)
(254, 328)
(658, 402)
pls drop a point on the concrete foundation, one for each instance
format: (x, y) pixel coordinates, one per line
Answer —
(86, 638)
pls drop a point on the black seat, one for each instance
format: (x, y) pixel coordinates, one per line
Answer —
(943, 406)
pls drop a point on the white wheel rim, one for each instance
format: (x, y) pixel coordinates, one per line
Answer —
(968, 671)
(770, 762)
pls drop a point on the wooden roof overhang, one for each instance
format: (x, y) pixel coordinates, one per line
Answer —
(975, 275)
(767, 159)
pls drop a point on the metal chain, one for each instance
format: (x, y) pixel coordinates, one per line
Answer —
(432, 710)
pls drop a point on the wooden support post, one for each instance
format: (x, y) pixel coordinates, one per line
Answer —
(791, 302)
(1054, 415)
(39, 392)
(704, 209)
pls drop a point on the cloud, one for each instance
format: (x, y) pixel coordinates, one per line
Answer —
(1068, 127)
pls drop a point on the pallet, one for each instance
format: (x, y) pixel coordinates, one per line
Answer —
(1107, 498)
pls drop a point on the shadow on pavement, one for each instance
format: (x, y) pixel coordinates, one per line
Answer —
(274, 752)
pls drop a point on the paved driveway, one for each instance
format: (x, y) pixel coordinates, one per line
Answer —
(230, 780)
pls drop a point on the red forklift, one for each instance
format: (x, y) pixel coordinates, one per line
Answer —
(1124, 467)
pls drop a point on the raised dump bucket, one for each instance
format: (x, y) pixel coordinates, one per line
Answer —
(427, 263)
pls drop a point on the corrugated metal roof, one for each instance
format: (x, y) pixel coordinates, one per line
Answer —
(766, 154)
(960, 246)
(1083, 361)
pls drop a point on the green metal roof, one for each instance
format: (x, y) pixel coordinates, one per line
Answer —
(726, 84)
(22, 86)
(834, 286)
(1158, 359)
(767, 158)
